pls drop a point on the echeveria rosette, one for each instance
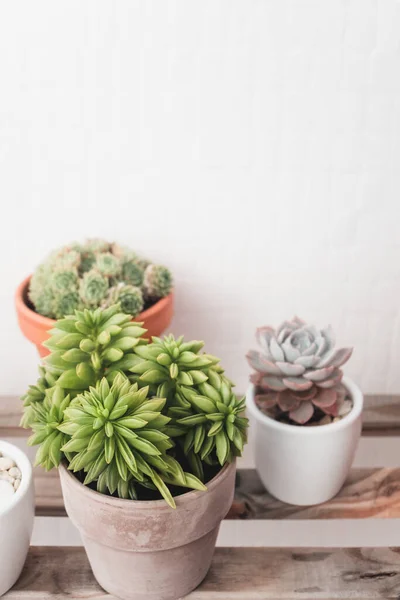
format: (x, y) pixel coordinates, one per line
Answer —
(298, 361)
(117, 439)
(299, 407)
(168, 364)
(45, 416)
(211, 427)
(91, 344)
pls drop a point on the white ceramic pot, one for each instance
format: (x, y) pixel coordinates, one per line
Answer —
(305, 465)
(16, 521)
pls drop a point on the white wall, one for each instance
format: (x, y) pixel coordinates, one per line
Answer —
(252, 145)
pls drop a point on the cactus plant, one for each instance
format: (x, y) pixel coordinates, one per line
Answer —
(298, 370)
(93, 288)
(130, 298)
(157, 281)
(80, 276)
(132, 273)
(97, 406)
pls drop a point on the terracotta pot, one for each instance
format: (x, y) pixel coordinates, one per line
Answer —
(35, 327)
(145, 550)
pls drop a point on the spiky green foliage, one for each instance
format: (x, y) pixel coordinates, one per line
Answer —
(37, 393)
(81, 276)
(172, 427)
(211, 422)
(129, 297)
(157, 281)
(169, 363)
(45, 418)
(90, 344)
(117, 439)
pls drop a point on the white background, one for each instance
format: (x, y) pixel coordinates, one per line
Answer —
(251, 145)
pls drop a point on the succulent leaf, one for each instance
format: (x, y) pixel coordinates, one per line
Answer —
(297, 365)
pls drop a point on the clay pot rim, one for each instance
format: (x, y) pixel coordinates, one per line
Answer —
(46, 322)
(150, 505)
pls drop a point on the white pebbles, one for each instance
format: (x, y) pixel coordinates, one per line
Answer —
(10, 479)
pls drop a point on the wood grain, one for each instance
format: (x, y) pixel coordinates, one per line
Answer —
(235, 574)
(381, 416)
(366, 493)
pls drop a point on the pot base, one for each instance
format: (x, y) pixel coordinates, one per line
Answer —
(156, 575)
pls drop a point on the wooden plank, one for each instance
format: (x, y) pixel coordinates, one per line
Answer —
(381, 416)
(235, 574)
(10, 416)
(367, 493)
(49, 499)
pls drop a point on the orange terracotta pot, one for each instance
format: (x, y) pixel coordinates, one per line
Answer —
(36, 328)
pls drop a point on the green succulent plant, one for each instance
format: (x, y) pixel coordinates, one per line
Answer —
(64, 279)
(88, 260)
(81, 276)
(66, 303)
(90, 344)
(157, 281)
(169, 363)
(212, 423)
(93, 288)
(45, 418)
(36, 393)
(108, 264)
(129, 422)
(129, 297)
(132, 273)
(117, 439)
(44, 302)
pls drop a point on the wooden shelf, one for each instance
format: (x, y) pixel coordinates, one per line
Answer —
(235, 574)
(367, 493)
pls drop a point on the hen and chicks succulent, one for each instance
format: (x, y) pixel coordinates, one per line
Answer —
(96, 274)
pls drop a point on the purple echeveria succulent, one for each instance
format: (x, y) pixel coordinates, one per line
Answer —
(298, 369)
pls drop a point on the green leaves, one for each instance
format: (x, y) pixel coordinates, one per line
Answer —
(118, 436)
(45, 417)
(173, 419)
(91, 344)
(215, 429)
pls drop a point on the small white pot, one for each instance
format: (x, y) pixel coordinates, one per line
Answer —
(16, 521)
(305, 465)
